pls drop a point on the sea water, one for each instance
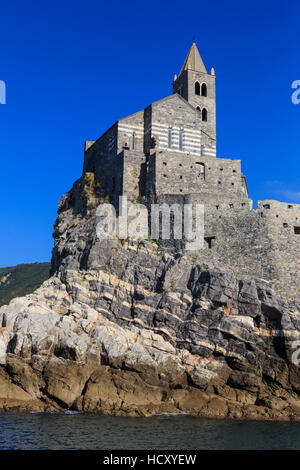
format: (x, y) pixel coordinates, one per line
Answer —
(79, 431)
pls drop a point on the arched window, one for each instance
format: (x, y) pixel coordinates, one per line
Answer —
(203, 89)
(198, 109)
(204, 114)
(197, 88)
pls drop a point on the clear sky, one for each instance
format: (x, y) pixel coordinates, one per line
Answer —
(73, 67)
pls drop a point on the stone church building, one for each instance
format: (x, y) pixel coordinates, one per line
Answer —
(167, 153)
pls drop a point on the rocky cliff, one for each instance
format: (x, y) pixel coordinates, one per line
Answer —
(126, 327)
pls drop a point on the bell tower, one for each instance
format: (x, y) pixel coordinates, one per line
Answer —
(197, 87)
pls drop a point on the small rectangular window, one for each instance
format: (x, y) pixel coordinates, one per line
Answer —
(210, 242)
(297, 230)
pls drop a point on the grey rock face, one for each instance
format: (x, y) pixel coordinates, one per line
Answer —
(126, 327)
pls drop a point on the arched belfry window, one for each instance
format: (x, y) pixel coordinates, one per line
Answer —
(204, 114)
(203, 89)
(197, 88)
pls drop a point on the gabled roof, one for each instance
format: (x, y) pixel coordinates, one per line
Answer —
(175, 96)
(130, 115)
(193, 61)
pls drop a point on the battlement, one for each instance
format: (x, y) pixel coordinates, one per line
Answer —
(271, 207)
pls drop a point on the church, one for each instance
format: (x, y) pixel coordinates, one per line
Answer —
(169, 147)
(166, 153)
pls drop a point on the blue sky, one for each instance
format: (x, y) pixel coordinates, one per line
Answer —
(73, 67)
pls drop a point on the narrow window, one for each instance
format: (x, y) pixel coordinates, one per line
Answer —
(204, 114)
(200, 170)
(210, 241)
(132, 142)
(203, 89)
(197, 88)
(180, 139)
(169, 138)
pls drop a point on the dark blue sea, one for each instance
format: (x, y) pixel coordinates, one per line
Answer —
(79, 431)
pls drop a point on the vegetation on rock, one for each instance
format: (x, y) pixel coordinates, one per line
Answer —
(16, 281)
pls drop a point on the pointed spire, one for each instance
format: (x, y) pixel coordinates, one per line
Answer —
(193, 61)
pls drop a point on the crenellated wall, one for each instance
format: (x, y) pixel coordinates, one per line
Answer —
(282, 224)
(262, 243)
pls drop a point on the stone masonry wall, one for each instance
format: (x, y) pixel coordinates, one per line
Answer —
(242, 241)
(185, 85)
(282, 223)
(101, 158)
(134, 175)
(175, 114)
(131, 132)
(177, 173)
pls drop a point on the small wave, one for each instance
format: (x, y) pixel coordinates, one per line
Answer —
(68, 412)
(168, 415)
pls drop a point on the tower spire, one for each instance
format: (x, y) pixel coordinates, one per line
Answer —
(193, 61)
